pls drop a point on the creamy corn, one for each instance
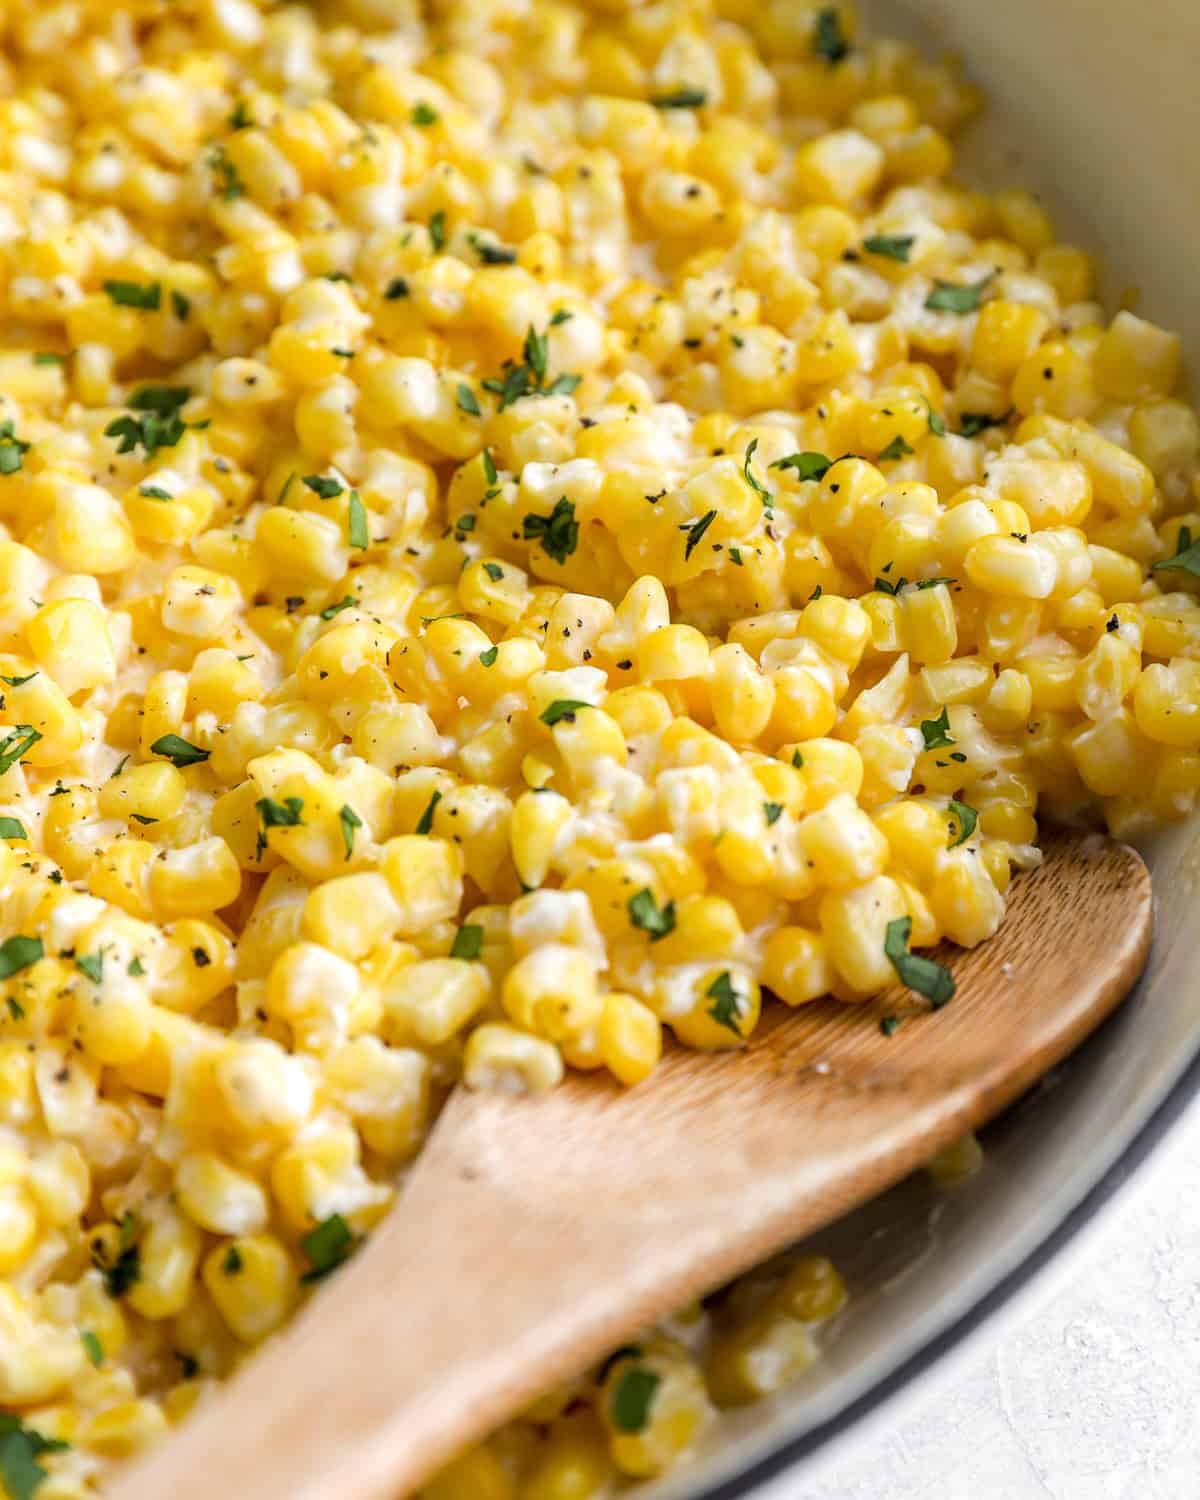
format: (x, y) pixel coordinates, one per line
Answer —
(524, 528)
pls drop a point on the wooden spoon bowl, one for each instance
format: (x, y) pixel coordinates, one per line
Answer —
(536, 1234)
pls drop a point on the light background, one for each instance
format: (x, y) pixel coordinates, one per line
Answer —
(1093, 1395)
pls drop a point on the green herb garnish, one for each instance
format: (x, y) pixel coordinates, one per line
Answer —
(932, 980)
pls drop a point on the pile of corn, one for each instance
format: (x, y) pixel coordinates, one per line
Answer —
(525, 524)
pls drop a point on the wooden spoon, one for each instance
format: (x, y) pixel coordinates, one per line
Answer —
(536, 1234)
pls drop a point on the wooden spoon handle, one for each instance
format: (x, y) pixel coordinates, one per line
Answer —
(537, 1233)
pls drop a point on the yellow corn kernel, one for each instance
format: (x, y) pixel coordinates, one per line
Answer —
(253, 1283)
(510, 1061)
(629, 1037)
(1136, 359)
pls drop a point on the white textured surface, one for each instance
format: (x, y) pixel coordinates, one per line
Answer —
(1095, 1396)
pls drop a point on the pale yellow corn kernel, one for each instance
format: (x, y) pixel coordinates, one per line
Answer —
(572, 1462)
(42, 704)
(1109, 756)
(1008, 566)
(629, 1037)
(168, 1256)
(678, 1414)
(252, 1281)
(1051, 492)
(1136, 359)
(1056, 377)
(1010, 699)
(147, 793)
(1006, 333)
(1165, 435)
(838, 168)
(194, 880)
(1166, 703)
(70, 639)
(742, 696)
(350, 914)
(18, 1226)
(1116, 576)
(956, 1163)
(1107, 675)
(758, 1358)
(91, 533)
(552, 991)
(965, 903)
(854, 923)
(121, 1430)
(163, 708)
(503, 1059)
(219, 1197)
(425, 875)
(796, 965)
(476, 1474)
(840, 844)
(433, 1000)
(300, 545)
(59, 1181)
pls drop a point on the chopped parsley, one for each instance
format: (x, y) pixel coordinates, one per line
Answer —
(49, 359)
(92, 1347)
(890, 246)
(322, 486)
(488, 658)
(18, 681)
(229, 184)
(91, 964)
(178, 751)
(772, 811)
(930, 979)
(467, 400)
(897, 448)
(24, 737)
(233, 1262)
(966, 818)
(424, 115)
(495, 255)
(494, 571)
(828, 39)
(273, 814)
(561, 315)
(936, 732)
(755, 484)
(562, 708)
(136, 968)
(153, 492)
(330, 610)
(12, 828)
(681, 98)
(158, 426)
(126, 1270)
(360, 537)
(147, 297)
(882, 586)
(349, 820)
(724, 1010)
(240, 118)
(936, 424)
(529, 378)
(425, 821)
(889, 1025)
(558, 532)
(468, 941)
(797, 759)
(1186, 556)
(437, 231)
(162, 399)
(395, 289)
(807, 465)
(17, 953)
(181, 306)
(695, 531)
(972, 423)
(20, 1449)
(12, 449)
(326, 1247)
(952, 296)
(631, 1400)
(645, 912)
(489, 466)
